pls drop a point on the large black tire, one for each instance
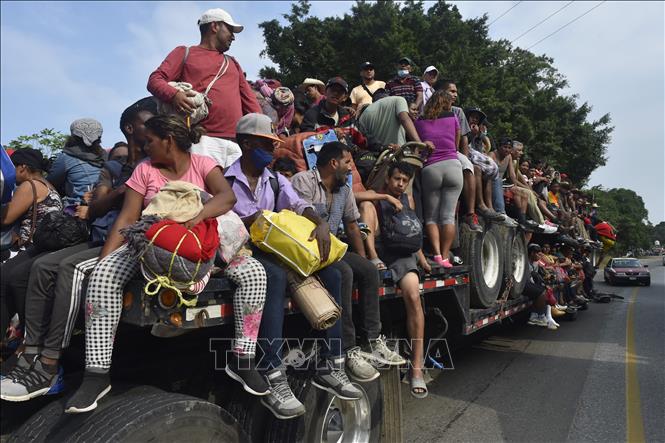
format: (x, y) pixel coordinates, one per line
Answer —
(482, 253)
(138, 414)
(330, 419)
(254, 418)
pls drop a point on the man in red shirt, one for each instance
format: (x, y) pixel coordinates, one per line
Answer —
(231, 96)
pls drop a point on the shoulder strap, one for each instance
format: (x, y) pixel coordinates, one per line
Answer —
(274, 184)
(371, 94)
(184, 60)
(220, 73)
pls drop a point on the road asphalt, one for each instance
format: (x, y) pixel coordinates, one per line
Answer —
(530, 384)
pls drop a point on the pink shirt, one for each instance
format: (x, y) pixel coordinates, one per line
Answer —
(147, 180)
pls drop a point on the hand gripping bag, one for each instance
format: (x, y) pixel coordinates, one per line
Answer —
(286, 234)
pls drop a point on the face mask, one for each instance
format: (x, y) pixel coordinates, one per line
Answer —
(261, 158)
(402, 72)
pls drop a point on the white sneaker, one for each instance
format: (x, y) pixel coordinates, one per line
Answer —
(538, 321)
(547, 229)
(378, 353)
(552, 325)
(358, 368)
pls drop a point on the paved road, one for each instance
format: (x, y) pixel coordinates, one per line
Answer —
(531, 384)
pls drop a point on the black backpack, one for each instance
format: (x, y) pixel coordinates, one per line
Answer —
(401, 232)
(57, 230)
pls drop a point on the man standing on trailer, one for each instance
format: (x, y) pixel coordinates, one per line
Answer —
(230, 96)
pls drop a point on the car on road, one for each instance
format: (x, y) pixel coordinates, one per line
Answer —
(627, 270)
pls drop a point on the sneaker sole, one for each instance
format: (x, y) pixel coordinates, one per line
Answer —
(333, 392)
(26, 397)
(277, 414)
(363, 380)
(239, 379)
(380, 360)
(73, 410)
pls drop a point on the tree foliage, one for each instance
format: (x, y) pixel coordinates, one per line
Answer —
(49, 141)
(520, 91)
(625, 210)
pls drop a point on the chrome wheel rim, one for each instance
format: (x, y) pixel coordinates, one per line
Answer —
(519, 260)
(490, 260)
(347, 421)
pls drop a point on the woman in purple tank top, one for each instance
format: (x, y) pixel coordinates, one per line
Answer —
(442, 175)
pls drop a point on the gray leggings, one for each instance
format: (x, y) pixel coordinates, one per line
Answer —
(442, 184)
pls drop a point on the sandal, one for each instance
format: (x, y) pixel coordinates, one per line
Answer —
(380, 265)
(418, 387)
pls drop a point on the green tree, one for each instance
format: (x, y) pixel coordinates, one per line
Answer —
(520, 91)
(49, 141)
(624, 210)
(658, 233)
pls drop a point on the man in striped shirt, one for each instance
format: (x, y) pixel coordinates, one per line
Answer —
(406, 85)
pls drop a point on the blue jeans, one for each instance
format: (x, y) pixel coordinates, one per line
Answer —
(271, 331)
(497, 195)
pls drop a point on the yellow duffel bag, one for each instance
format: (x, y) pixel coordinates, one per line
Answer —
(286, 234)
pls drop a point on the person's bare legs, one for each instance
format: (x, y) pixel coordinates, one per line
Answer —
(415, 321)
(543, 208)
(487, 193)
(432, 231)
(469, 191)
(369, 217)
(447, 238)
(478, 178)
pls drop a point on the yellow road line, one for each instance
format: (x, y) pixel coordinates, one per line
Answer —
(634, 423)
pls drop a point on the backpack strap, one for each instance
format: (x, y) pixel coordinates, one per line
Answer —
(273, 179)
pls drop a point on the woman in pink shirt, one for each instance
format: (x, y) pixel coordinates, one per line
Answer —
(168, 142)
(442, 175)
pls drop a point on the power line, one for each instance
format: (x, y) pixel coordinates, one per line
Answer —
(509, 9)
(570, 22)
(541, 22)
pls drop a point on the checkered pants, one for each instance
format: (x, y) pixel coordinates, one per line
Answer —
(487, 166)
(250, 278)
(104, 305)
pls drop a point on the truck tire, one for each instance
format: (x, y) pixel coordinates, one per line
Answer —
(330, 419)
(483, 255)
(137, 415)
(517, 263)
(254, 418)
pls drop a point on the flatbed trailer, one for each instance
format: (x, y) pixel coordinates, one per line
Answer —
(176, 387)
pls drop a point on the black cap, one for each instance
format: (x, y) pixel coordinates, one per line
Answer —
(366, 65)
(505, 141)
(338, 81)
(30, 157)
(533, 247)
(406, 60)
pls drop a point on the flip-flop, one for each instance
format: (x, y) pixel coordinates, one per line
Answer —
(380, 265)
(418, 384)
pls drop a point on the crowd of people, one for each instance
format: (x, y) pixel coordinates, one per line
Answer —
(241, 143)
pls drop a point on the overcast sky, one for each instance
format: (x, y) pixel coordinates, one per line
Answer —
(62, 61)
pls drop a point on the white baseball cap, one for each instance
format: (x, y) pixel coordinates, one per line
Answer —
(220, 15)
(431, 68)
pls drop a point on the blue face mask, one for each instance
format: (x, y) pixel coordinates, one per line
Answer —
(261, 158)
(402, 72)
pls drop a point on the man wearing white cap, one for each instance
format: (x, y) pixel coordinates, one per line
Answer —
(230, 96)
(430, 76)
